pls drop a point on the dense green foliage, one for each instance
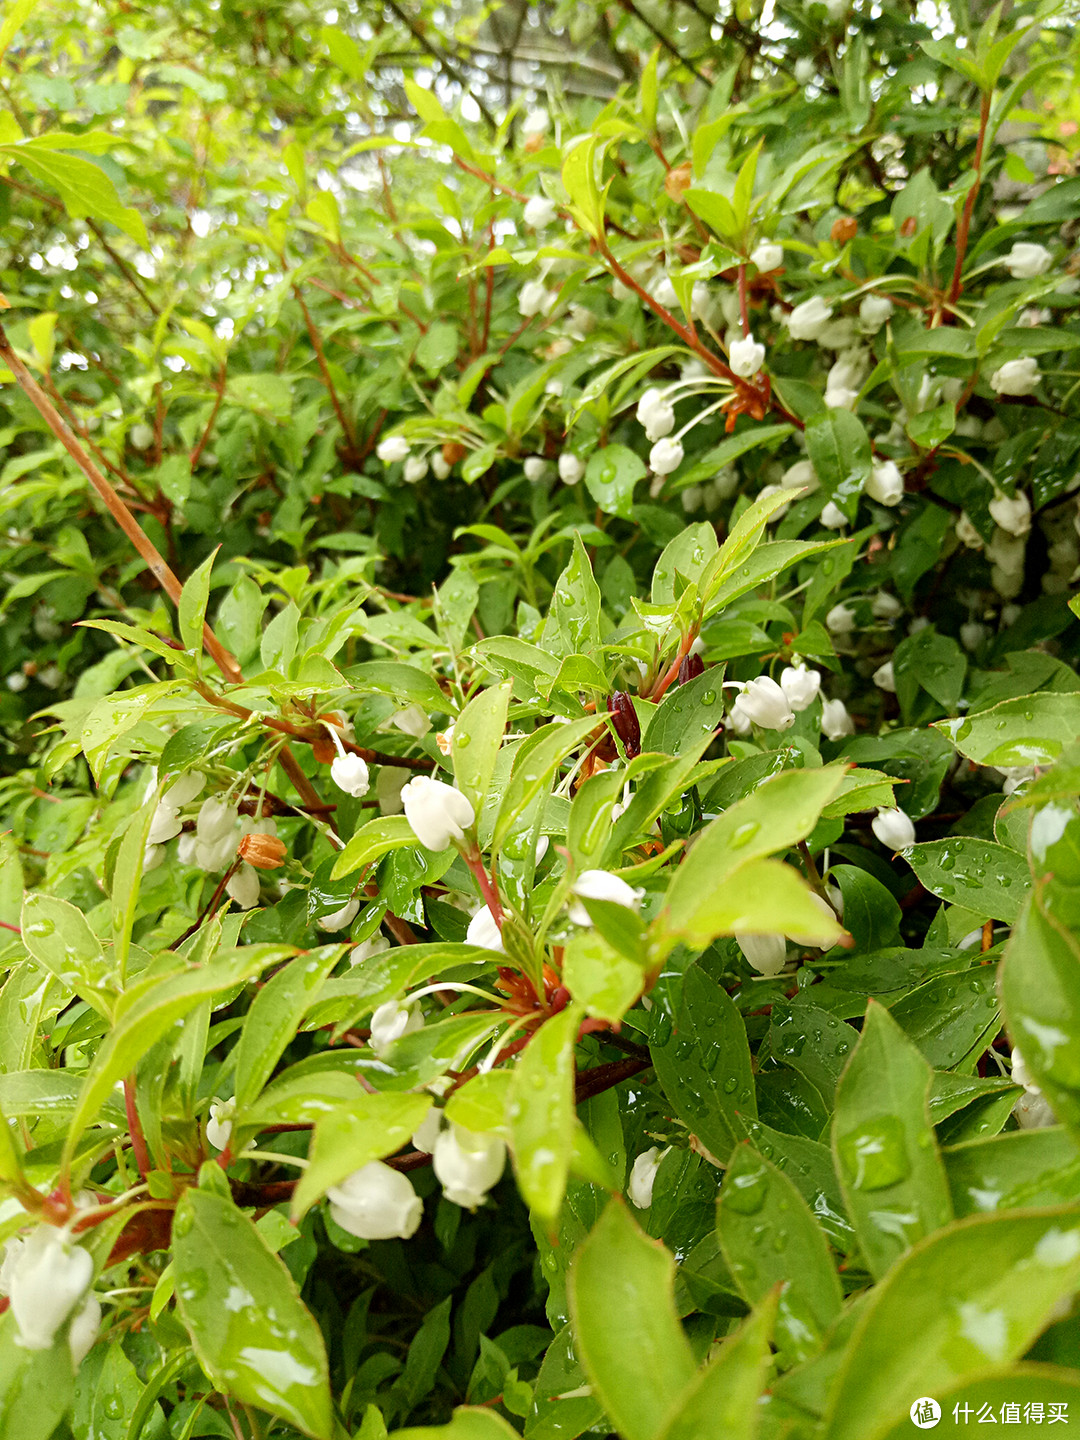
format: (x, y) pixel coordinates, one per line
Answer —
(651, 440)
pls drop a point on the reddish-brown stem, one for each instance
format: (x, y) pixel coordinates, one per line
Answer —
(155, 561)
(743, 310)
(320, 356)
(196, 454)
(671, 673)
(138, 1139)
(969, 204)
(489, 290)
(487, 888)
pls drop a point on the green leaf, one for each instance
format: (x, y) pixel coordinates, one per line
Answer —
(945, 1032)
(973, 1296)
(534, 762)
(16, 17)
(575, 606)
(377, 837)
(580, 182)
(252, 1333)
(56, 934)
(124, 888)
(469, 1423)
(931, 428)
(770, 1239)
(933, 662)
(724, 1401)
(687, 714)
(192, 607)
(152, 1008)
(478, 735)
(610, 477)
(839, 449)
(36, 1386)
(704, 1068)
(84, 187)
(886, 1154)
(648, 92)
(980, 875)
(699, 905)
(274, 1017)
(350, 1137)
(626, 1330)
(406, 683)
(541, 1110)
(1040, 993)
(437, 347)
(599, 977)
(1018, 1170)
(1030, 730)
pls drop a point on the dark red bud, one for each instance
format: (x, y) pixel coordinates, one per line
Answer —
(627, 725)
(691, 667)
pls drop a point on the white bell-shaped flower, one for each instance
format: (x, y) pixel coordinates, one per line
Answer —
(341, 919)
(893, 828)
(243, 887)
(1016, 377)
(767, 255)
(571, 468)
(808, 320)
(801, 686)
(885, 483)
(835, 720)
(437, 812)
(539, 212)
(1025, 261)
(350, 773)
(83, 1330)
(764, 703)
(601, 885)
(746, 357)
(391, 1021)
(885, 678)
(484, 931)
(639, 1188)
(219, 1125)
(393, 449)
(48, 1279)
(840, 620)
(467, 1165)
(874, 310)
(376, 1202)
(1013, 514)
(666, 455)
(766, 952)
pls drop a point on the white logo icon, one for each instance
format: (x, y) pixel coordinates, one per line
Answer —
(925, 1413)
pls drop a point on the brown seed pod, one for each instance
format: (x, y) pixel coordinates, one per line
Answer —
(265, 852)
(844, 229)
(692, 666)
(678, 181)
(626, 723)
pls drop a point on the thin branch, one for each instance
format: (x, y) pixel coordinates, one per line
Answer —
(121, 514)
(969, 204)
(324, 371)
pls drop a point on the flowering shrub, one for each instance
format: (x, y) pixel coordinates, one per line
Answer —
(541, 836)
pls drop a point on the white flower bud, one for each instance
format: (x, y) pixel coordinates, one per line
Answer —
(83, 1330)
(390, 1022)
(1021, 1075)
(141, 435)
(835, 720)
(534, 298)
(893, 828)
(746, 357)
(840, 620)
(972, 635)
(884, 677)
(16, 682)
(535, 468)
(467, 1165)
(801, 475)
(639, 1188)
(886, 484)
(428, 1131)
(48, 1278)
(808, 320)
(805, 70)
(655, 415)
(413, 720)
(215, 821)
(571, 468)
(440, 468)
(539, 212)
(966, 532)
(764, 703)
(886, 606)
(436, 812)
(341, 919)
(483, 931)
(392, 449)
(601, 885)
(1016, 377)
(350, 773)
(376, 1202)
(184, 789)
(243, 887)
(767, 255)
(165, 825)
(666, 456)
(416, 467)
(766, 953)
(874, 310)
(800, 685)
(1013, 515)
(1025, 261)
(360, 954)
(832, 517)
(388, 786)
(220, 1124)
(1033, 1112)
(840, 397)
(536, 122)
